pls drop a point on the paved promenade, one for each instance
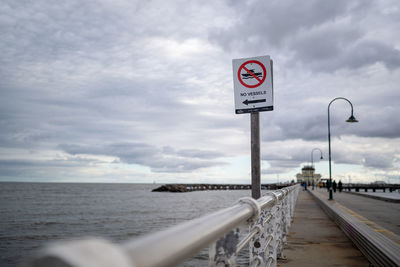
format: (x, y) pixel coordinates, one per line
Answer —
(387, 196)
(383, 213)
(315, 240)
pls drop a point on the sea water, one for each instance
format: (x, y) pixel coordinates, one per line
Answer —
(32, 214)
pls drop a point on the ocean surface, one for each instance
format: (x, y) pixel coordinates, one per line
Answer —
(32, 214)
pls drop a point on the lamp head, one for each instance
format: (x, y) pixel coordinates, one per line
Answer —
(321, 157)
(351, 119)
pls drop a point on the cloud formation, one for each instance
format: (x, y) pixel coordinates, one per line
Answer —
(159, 160)
(147, 86)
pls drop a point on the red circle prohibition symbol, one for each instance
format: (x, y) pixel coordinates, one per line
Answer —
(260, 81)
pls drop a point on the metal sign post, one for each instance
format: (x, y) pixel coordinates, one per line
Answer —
(253, 88)
(255, 155)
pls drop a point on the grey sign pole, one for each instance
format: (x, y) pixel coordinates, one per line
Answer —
(255, 149)
(255, 155)
(253, 89)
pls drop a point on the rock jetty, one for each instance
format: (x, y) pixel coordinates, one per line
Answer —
(180, 188)
(176, 188)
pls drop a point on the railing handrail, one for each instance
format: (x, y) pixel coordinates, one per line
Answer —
(167, 247)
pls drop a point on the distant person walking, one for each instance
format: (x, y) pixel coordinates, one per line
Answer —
(305, 186)
(334, 186)
(340, 186)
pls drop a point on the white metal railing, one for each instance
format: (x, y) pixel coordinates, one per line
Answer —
(268, 219)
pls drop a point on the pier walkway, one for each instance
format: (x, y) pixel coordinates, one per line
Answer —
(315, 240)
(383, 213)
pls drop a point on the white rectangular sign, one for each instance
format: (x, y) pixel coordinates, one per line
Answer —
(252, 82)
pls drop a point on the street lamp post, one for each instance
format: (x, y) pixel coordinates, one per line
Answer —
(312, 164)
(350, 119)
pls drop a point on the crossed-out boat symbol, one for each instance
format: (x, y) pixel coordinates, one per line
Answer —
(249, 76)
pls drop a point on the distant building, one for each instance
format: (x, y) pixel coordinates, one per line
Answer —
(307, 175)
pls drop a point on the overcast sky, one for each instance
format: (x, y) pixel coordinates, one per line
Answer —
(142, 91)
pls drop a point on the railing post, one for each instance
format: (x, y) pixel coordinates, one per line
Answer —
(271, 248)
(285, 221)
(223, 252)
(279, 229)
(267, 246)
(292, 199)
(263, 246)
(258, 242)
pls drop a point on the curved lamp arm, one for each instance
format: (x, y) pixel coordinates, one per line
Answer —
(351, 118)
(312, 151)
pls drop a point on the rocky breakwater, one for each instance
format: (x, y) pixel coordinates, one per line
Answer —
(203, 187)
(176, 188)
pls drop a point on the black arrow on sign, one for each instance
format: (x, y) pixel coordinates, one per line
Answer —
(247, 102)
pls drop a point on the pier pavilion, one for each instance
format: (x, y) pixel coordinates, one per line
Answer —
(308, 175)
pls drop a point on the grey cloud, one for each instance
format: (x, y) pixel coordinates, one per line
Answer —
(367, 156)
(44, 31)
(323, 36)
(370, 52)
(281, 166)
(16, 169)
(323, 44)
(38, 169)
(72, 27)
(193, 153)
(159, 160)
(32, 116)
(383, 122)
(293, 124)
(378, 162)
(182, 165)
(284, 158)
(112, 78)
(277, 170)
(341, 155)
(126, 151)
(368, 159)
(278, 21)
(310, 123)
(331, 52)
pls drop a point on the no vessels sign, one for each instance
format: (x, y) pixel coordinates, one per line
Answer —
(252, 81)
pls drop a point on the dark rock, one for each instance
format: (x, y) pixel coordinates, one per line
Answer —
(175, 188)
(162, 188)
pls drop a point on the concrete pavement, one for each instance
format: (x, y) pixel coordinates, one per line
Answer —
(386, 214)
(386, 196)
(315, 240)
